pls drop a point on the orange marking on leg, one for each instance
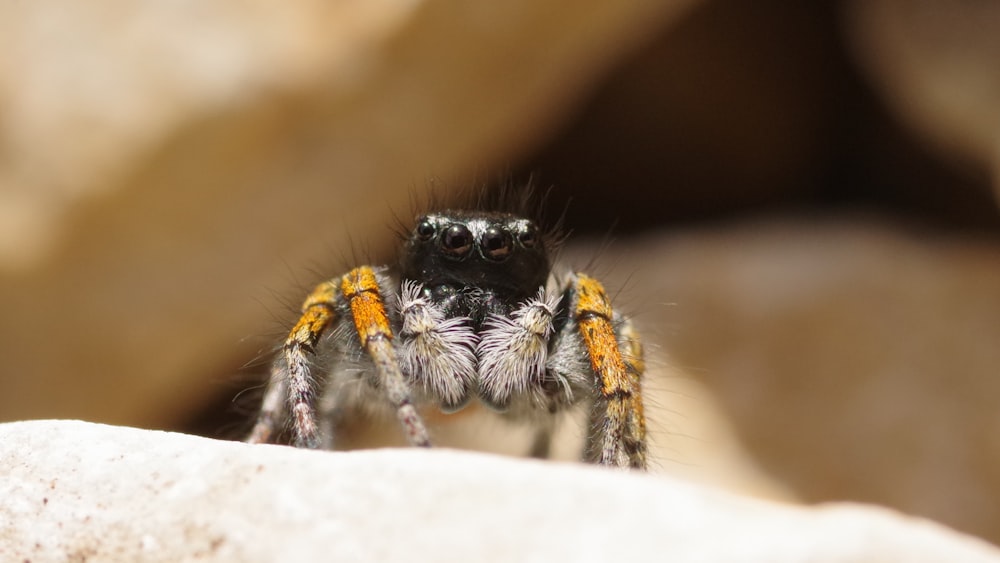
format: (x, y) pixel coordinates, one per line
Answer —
(311, 325)
(360, 288)
(623, 427)
(323, 294)
(593, 313)
(317, 315)
(591, 297)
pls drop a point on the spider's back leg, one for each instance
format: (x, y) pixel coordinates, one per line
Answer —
(620, 437)
(290, 377)
(292, 386)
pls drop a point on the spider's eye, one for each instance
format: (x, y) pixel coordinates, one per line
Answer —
(456, 241)
(496, 244)
(528, 237)
(425, 230)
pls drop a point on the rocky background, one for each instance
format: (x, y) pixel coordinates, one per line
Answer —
(803, 201)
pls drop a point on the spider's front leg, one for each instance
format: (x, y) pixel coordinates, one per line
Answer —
(358, 295)
(361, 290)
(620, 436)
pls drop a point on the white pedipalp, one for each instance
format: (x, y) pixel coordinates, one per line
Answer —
(437, 353)
(513, 350)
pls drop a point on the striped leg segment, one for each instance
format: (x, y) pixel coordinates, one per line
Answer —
(290, 376)
(620, 437)
(360, 289)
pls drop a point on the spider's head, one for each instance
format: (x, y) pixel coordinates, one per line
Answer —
(499, 253)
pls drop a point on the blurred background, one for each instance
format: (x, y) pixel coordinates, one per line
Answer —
(796, 201)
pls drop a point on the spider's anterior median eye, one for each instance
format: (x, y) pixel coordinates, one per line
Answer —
(496, 244)
(425, 230)
(528, 237)
(456, 241)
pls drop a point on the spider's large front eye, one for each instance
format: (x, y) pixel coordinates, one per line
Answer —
(496, 244)
(456, 241)
(529, 236)
(425, 230)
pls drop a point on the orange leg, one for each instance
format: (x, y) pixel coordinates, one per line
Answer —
(290, 375)
(293, 387)
(360, 289)
(620, 439)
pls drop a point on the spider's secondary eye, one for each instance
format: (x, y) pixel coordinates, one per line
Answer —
(528, 237)
(425, 230)
(456, 241)
(496, 244)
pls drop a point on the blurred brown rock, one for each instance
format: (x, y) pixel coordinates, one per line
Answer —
(935, 64)
(737, 105)
(856, 360)
(161, 165)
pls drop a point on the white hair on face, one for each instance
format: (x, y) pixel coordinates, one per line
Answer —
(512, 350)
(436, 352)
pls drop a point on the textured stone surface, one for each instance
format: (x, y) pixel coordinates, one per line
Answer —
(78, 491)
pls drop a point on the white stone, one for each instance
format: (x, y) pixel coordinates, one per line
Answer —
(81, 491)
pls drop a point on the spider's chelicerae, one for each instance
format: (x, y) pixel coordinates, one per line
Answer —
(472, 312)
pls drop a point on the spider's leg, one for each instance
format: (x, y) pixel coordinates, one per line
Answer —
(272, 408)
(331, 417)
(361, 291)
(290, 373)
(541, 444)
(620, 439)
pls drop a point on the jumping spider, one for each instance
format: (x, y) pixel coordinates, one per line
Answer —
(473, 311)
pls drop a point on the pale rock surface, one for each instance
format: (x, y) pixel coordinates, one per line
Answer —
(81, 491)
